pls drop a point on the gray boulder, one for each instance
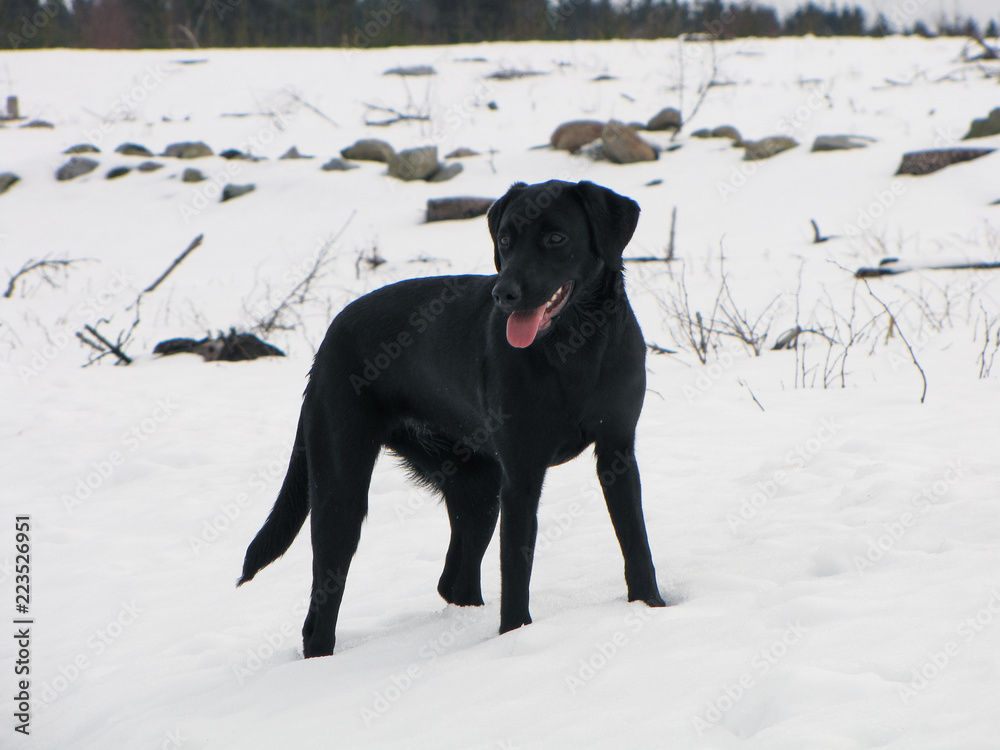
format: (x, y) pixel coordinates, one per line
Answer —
(623, 146)
(188, 150)
(369, 149)
(450, 209)
(82, 148)
(414, 163)
(75, 167)
(767, 147)
(574, 135)
(989, 125)
(411, 70)
(926, 162)
(338, 165)
(665, 119)
(7, 180)
(193, 175)
(293, 153)
(841, 142)
(445, 173)
(116, 172)
(727, 131)
(133, 149)
(235, 191)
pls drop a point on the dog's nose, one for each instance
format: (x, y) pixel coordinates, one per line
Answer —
(506, 292)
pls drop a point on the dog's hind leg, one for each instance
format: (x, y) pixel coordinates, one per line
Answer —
(472, 497)
(341, 461)
(470, 484)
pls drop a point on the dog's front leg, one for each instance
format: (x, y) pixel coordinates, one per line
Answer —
(518, 530)
(619, 476)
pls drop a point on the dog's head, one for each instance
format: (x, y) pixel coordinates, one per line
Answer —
(549, 241)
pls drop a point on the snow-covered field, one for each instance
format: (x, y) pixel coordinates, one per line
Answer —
(831, 545)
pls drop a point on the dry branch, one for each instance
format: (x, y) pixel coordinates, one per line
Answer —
(913, 356)
(309, 106)
(30, 266)
(190, 248)
(113, 348)
(397, 116)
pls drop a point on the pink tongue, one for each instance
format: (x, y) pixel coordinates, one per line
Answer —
(522, 326)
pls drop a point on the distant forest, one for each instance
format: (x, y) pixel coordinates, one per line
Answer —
(143, 24)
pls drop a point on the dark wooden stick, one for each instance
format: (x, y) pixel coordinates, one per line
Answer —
(112, 347)
(194, 243)
(869, 273)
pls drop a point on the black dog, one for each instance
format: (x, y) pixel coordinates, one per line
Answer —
(480, 383)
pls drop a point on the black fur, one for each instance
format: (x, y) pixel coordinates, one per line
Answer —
(425, 368)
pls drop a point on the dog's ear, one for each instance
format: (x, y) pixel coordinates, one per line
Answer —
(612, 219)
(495, 213)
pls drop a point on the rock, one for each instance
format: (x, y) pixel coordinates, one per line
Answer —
(133, 149)
(192, 175)
(623, 146)
(449, 209)
(188, 150)
(369, 149)
(231, 154)
(75, 167)
(841, 142)
(727, 131)
(117, 172)
(513, 74)
(989, 125)
(38, 124)
(338, 165)
(445, 173)
(293, 153)
(572, 136)
(414, 163)
(412, 70)
(767, 147)
(7, 180)
(235, 191)
(702, 133)
(665, 119)
(82, 148)
(594, 151)
(149, 166)
(461, 153)
(925, 162)
(233, 347)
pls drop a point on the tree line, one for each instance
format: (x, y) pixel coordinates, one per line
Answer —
(145, 24)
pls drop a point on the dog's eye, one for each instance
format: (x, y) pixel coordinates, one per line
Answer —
(503, 241)
(556, 238)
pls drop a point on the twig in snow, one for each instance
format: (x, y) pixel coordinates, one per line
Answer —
(44, 263)
(113, 348)
(309, 106)
(190, 248)
(909, 348)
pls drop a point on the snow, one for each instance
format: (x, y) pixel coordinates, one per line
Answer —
(830, 552)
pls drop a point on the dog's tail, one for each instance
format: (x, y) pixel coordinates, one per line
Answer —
(286, 517)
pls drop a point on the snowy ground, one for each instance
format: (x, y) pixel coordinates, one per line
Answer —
(829, 543)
